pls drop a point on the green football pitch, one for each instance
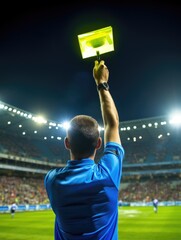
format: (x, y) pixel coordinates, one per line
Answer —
(135, 223)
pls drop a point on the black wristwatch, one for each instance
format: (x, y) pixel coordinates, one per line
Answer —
(103, 85)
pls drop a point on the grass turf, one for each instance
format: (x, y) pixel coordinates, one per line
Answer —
(138, 223)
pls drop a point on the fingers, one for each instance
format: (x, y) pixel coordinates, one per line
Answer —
(97, 63)
(100, 65)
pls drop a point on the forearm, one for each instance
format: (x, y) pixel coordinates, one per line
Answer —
(108, 109)
(110, 117)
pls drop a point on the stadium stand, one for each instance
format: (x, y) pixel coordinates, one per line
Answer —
(28, 149)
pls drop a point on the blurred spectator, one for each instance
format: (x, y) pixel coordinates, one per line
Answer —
(22, 190)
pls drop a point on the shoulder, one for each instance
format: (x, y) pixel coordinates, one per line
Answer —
(114, 148)
(50, 175)
(113, 155)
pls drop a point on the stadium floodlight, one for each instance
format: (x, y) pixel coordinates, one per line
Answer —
(100, 128)
(175, 118)
(39, 119)
(66, 125)
(1, 105)
(96, 42)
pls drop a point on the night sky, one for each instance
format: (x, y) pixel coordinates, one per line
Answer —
(42, 70)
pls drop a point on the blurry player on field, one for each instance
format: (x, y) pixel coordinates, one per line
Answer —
(155, 205)
(13, 209)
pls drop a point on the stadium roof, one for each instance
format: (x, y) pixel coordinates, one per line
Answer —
(19, 122)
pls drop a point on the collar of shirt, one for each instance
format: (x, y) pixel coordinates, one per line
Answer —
(82, 162)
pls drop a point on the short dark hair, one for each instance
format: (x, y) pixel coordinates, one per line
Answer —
(83, 135)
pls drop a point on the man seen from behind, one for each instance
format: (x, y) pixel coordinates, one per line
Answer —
(84, 194)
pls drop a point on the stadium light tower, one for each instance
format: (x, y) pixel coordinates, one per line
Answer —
(96, 42)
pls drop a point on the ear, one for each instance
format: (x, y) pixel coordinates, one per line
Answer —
(99, 143)
(66, 143)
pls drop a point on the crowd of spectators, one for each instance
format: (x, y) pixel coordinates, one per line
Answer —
(51, 151)
(159, 150)
(19, 146)
(22, 190)
(164, 190)
(29, 190)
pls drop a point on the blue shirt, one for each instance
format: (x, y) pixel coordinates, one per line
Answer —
(84, 196)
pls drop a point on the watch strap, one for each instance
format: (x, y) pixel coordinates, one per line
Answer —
(103, 85)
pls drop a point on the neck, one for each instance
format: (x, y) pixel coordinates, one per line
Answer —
(80, 157)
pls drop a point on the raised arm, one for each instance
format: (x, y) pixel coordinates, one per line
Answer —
(108, 108)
